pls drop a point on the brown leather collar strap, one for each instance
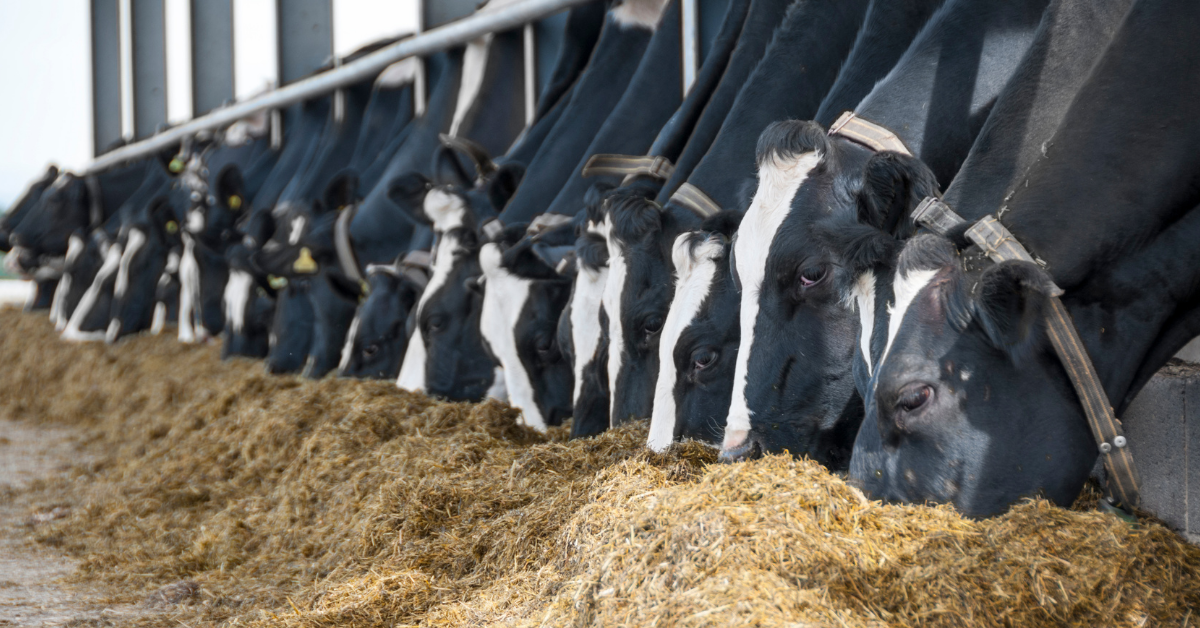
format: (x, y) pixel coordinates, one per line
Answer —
(545, 222)
(867, 133)
(696, 200)
(628, 165)
(1000, 245)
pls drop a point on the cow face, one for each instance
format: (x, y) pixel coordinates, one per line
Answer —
(249, 307)
(699, 343)
(24, 205)
(303, 242)
(445, 354)
(64, 209)
(583, 326)
(810, 235)
(90, 317)
(378, 336)
(146, 243)
(637, 295)
(524, 298)
(292, 328)
(214, 211)
(970, 405)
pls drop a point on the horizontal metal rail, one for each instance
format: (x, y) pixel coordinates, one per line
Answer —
(435, 40)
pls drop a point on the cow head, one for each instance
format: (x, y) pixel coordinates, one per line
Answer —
(969, 403)
(249, 307)
(378, 336)
(65, 208)
(146, 244)
(24, 205)
(303, 242)
(583, 326)
(820, 220)
(524, 297)
(699, 340)
(640, 236)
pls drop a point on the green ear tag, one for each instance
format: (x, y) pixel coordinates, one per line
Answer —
(175, 166)
(172, 227)
(277, 282)
(305, 264)
(235, 202)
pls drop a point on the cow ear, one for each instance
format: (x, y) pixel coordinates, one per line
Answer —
(893, 186)
(1011, 300)
(231, 189)
(503, 184)
(408, 192)
(448, 168)
(342, 191)
(593, 201)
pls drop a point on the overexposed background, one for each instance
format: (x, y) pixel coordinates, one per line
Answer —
(46, 82)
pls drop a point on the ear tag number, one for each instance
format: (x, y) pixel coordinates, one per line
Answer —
(305, 264)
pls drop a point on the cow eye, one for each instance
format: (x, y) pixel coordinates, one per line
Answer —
(704, 357)
(812, 275)
(913, 397)
(545, 347)
(370, 350)
(437, 322)
(652, 324)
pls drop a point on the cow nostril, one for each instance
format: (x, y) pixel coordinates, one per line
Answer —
(748, 449)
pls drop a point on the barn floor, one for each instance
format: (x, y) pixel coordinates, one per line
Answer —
(204, 493)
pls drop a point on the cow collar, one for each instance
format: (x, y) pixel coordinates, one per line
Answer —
(628, 166)
(1000, 245)
(347, 260)
(867, 133)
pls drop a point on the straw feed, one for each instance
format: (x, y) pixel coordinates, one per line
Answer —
(353, 503)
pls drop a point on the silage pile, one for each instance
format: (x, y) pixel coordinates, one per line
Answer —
(350, 503)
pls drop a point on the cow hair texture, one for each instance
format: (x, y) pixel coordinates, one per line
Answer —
(1011, 299)
(633, 214)
(591, 251)
(893, 185)
(593, 201)
(785, 139)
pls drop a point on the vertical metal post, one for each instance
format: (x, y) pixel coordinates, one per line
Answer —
(148, 28)
(690, 23)
(305, 37)
(212, 54)
(106, 74)
(531, 75)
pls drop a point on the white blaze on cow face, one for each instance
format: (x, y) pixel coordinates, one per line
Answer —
(503, 300)
(585, 319)
(907, 287)
(779, 177)
(412, 370)
(133, 244)
(189, 293)
(348, 348)
(695, 271)
(58, 308)
(112, 260)
(613, 288)
(640, 13)
(297, 230)
(160, 318)
(195, 220)
(864, 298)
(444, 209)
(237, 297)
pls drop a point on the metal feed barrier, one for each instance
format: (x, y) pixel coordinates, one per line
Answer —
(435, 40)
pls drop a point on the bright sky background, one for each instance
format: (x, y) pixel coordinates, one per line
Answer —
(45, 71)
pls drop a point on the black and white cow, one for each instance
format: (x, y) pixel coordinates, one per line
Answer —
(698, 347)
(378, 336)
(148, 241)
(969, 404)
(802, 280)
(523, 299)
(46, 276)
(811, 43)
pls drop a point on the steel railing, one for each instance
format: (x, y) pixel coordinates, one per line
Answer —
(453, 34)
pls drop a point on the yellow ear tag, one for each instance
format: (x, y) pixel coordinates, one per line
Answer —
(172, 227)
(175, 166)
(235, 202)
(277, 282)
(305, 264)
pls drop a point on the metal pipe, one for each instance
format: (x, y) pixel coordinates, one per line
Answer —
(438, 39)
